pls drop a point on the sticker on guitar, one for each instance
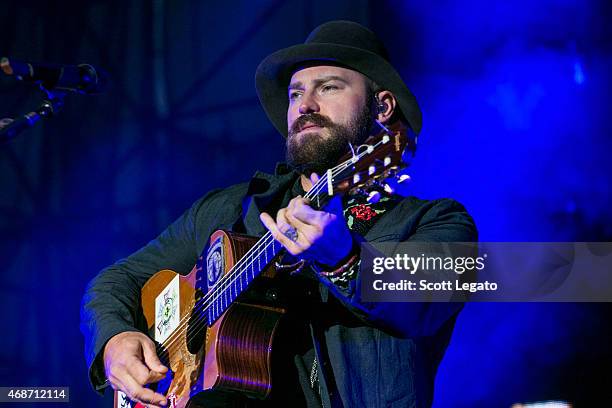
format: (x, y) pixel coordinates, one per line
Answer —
(214, 263)
(167, 310)
(124, 402)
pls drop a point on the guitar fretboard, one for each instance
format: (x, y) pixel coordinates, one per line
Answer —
(240, 277)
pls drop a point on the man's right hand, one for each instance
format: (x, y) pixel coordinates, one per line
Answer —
(130, 362)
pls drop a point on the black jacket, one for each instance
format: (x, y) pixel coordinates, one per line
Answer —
(386, 356)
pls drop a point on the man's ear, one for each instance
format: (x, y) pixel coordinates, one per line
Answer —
(385, 106)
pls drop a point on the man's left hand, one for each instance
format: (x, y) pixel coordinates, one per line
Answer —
(321, 236)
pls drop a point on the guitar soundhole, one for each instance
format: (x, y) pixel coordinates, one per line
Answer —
(196, 328)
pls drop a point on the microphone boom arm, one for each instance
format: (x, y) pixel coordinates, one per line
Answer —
(10, 128)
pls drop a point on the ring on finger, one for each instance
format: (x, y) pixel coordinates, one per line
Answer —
(292, 234)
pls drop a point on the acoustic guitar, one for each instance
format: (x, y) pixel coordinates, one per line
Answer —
(206, 328)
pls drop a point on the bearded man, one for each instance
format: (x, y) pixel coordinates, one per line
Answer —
(324, 96)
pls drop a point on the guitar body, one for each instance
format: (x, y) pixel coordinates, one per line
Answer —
(234, 354)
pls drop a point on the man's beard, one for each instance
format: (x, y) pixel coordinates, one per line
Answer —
(316, 153)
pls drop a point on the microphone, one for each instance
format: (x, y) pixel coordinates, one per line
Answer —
(82, 78)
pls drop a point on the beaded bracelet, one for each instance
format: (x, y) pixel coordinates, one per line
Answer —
(340, 270)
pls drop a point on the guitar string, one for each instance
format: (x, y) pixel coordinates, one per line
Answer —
(237, 270)
(231, 276)
(235, 274)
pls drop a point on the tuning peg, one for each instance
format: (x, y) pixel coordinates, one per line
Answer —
(371, 170)
(388, 189)
(373, 197)
(387, 161)
(402, 178)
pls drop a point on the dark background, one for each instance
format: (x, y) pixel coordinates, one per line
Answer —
(515, 97)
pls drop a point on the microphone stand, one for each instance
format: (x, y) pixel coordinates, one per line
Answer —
(10, 128)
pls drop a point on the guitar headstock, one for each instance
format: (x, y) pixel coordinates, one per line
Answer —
(371, 165)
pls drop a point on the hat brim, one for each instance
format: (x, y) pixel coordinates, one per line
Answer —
(274, 72)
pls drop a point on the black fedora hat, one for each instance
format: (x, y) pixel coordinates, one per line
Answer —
(341, 42)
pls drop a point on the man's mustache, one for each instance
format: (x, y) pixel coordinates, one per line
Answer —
(313, 118)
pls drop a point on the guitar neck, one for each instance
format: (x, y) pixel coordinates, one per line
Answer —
(238, 279)
(380, 159)
(250, 266)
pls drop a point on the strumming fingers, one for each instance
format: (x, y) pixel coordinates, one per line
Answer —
(120, 379)
(136, 392)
